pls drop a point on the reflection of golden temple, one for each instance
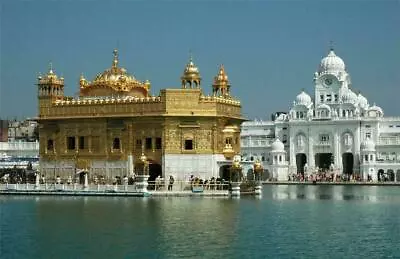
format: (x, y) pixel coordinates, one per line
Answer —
(115, 119)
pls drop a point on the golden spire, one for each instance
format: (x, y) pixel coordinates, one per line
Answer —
(115, 61)
(221, 84)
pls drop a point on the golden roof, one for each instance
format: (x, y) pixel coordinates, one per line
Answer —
(221, 78)
(50, 78)
(191, 71)
(115, 78)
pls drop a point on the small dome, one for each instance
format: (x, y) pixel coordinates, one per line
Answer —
(362, 101)
(191, 69)
(331, 64)
(303, 99)
(368, 145)
(349, 96)
(376, 108)
(277, 146)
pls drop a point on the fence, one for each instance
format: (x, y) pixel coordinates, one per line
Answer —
(155, 186)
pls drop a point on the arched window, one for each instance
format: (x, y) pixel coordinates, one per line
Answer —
(116, 143)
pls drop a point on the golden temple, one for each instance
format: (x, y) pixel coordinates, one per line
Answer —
(115, 119)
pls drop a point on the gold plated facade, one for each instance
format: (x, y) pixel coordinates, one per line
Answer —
(116, 117)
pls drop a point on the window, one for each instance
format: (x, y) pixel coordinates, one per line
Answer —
(148, 143)
(116, 143)
(368, 135)
(284, 139)
(188, 144)
(390, 126)
(336, 98)
(321, 98)
(368, 126)
(70, 143)
(366, 158)
(328, 98)
(158, 143)
(81, 142)
(50, 145)
(324, 138)
(138, 143)
(251, 158)
(284, 128)
(228, 141)
(263, 158)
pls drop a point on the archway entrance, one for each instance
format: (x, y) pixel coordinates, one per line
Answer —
(390, 175)
(348, 162)
(225, 172)
(81, 175)
(323, 160)
(250, 174)
(155, 170)
(301, 160)
(381, 173)
(398, 176)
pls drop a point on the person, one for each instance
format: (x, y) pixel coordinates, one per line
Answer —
(171, 182)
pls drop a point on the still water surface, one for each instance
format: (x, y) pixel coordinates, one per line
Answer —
(287, 222)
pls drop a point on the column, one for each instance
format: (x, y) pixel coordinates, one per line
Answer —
(336, 149)
(310, 155)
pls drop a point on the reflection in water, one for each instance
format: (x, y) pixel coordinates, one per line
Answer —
(316, 221)
(331, 192)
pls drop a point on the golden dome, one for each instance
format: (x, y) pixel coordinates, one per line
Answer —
(191, 75)
(50, 78)
(191, 69)
(115, 78)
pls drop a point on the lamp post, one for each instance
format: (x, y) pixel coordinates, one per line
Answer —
(258, 169)
(236, 169)
(141, 185)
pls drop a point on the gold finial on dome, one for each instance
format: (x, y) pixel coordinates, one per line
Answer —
(50, 77)
(115, 61)
(221, 84)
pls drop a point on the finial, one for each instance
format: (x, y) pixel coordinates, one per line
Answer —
(50, 68)
(331, 45)
(190, 56)
(115, 61)
(302, 89)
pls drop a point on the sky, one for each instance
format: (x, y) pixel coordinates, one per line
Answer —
(270, 49)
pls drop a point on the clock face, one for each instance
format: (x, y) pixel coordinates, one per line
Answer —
(328, 81)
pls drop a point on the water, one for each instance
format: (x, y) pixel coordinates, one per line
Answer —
(287, 222)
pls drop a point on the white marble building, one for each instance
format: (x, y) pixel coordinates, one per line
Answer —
(335, 129)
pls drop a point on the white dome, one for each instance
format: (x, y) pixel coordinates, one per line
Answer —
(368, 145)
(277, 146)
(349, 96)
(303, 99)
(376, 108)
(362, 101)
(331, 64)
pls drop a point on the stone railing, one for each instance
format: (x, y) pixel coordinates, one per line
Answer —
(19, 146)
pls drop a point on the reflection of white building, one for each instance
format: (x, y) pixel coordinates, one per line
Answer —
(336, 129)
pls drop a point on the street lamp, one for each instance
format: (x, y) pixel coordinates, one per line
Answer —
(236, 170)
(141, 185)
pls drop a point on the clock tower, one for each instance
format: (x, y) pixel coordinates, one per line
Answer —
(330, 80)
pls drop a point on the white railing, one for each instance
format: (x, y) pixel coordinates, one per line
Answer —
(178, 186)
(19, 146)
(389, 141)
